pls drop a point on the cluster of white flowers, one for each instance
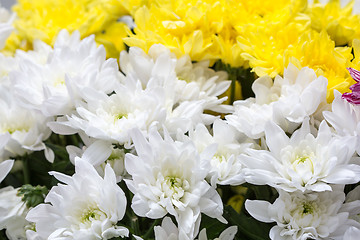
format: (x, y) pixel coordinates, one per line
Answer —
(145, 122)
(310, 168)
(144, 110)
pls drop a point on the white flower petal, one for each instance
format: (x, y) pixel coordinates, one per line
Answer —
(258, 209)
(5, 168)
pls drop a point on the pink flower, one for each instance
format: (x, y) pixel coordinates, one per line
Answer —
(354, 96)
(355, 74)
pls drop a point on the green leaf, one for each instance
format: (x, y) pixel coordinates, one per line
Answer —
(31, 195)
(248, 227)
(212, 225)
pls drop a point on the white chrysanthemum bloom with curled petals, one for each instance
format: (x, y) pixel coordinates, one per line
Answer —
(86, 206)
(302, 216)
(302, 162)
(189, 88)
(23, 130)
(287, 101)
(6, 19)
(53, 80)
(190, 81)
(344, 118)
(111, 117)
(226, 167)
(168, 177)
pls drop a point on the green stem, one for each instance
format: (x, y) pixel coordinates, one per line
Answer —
(26, 170)
(75, 140)
(151, 229)
(232, 90)
(134, 222)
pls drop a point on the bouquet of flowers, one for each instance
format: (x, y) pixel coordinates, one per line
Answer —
(180, 120)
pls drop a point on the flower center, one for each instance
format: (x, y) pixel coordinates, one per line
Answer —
(60, 81)
(303, 163)
(304, 167)
(90, 214)
(308, 208)
(217, 160)
(174, 187)
(120, 116)
(11, 128)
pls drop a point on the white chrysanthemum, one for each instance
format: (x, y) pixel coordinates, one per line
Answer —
(302, 216)
(167, 177)
(5, 166)
(12, 213)
(191, 82)
(99, 154)
(87, 206)
(189, 88)
(111, 117)
(53, 81)
(6, 19)
(169, 231)
(24, 129)
(226, 167)
(303, 161)
(344, 118)
(286, 101)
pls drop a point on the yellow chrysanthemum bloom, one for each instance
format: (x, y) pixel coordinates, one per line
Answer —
(317, 51)
(112, 38)
(264, 44)
(43, 19)
(202, 29)
(236, 202)
(338, 21)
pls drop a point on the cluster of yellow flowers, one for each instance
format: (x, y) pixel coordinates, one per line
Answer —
(263, 35)
(43, 19)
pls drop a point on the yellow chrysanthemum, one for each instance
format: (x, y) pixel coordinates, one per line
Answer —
(111, 37)
(236, 202)
(43, 19)
(338, 21)
(202, 29)
(318, 51)
(264, 44)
